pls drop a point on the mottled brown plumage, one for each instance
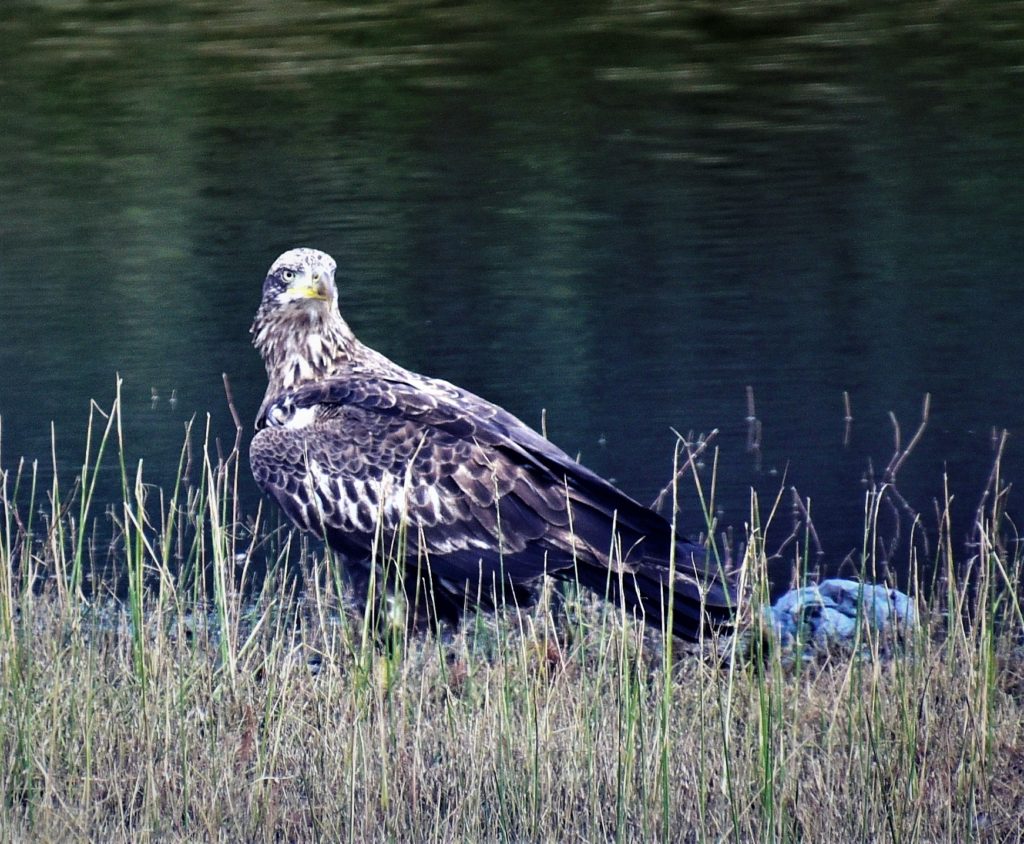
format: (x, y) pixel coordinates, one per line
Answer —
(374, 458)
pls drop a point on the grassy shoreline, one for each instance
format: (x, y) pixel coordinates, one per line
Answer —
(197, 710)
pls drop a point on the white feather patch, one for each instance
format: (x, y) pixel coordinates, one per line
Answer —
(303, 417)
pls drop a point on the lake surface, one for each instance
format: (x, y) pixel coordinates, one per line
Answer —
(620, 214)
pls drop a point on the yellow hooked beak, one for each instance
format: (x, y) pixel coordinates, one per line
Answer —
(304, 290)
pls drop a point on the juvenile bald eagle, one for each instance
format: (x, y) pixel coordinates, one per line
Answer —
(376, 459)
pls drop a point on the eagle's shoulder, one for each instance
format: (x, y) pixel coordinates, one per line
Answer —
(393, 394)
(375, 413)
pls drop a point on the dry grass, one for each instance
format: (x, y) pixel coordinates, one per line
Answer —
(277, 717)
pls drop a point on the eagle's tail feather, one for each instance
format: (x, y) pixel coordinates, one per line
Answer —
(695, 610)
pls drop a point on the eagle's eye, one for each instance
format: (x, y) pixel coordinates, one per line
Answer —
(316, 276)
(288, 275)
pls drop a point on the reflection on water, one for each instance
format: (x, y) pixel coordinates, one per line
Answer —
(624, 216)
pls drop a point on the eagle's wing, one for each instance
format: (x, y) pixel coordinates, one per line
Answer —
(362, 460)
(355, 459)
(464, 475)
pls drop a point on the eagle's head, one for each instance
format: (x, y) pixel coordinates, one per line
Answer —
(301, 277)
(298, 330)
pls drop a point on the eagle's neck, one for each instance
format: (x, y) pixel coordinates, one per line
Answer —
(301, 344)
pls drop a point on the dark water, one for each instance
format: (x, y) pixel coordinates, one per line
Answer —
(624, 213)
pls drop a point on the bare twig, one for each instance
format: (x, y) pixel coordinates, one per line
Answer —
(886, 488)
(847, 419)
(22, 531)
(799, 505)
(992, 489)
(890, 491)
(899, 457)
(753, 428)
(187, 473)
(794, 535)
(702, 444)
(801, 523)
(889, 550)
(234, 413)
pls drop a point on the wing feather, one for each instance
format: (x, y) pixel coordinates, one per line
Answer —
(429, 459)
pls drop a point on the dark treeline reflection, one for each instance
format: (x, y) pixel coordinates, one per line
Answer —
(624, 213)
